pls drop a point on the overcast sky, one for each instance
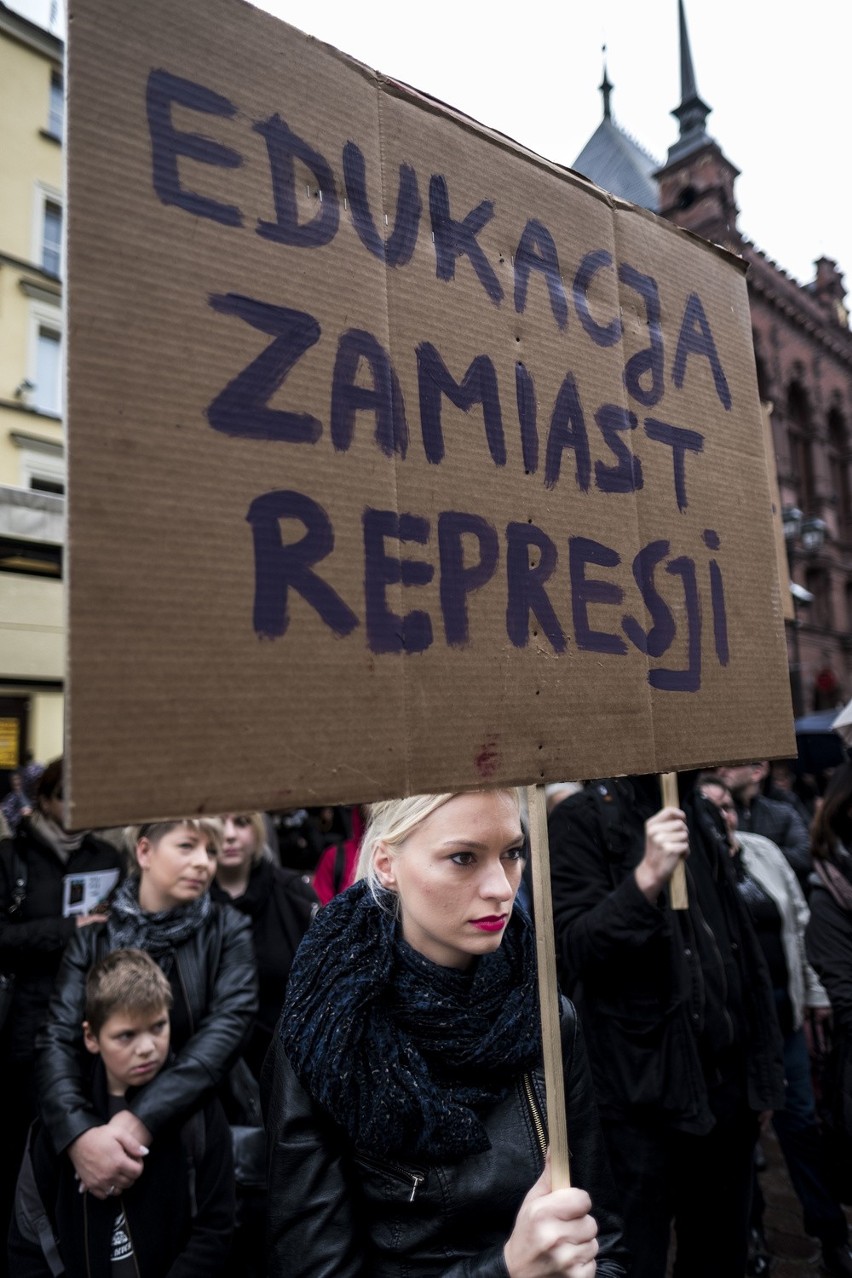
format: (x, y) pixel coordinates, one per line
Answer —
(777, 79)
(778, 82)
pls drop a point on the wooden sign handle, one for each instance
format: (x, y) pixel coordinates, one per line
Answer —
(548, 990)
(677, 888)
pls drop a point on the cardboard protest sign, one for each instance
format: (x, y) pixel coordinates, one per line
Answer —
(400, 458)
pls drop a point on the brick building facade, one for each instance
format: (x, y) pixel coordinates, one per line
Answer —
(803, 352)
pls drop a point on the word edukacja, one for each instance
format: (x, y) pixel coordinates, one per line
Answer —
(602, 457)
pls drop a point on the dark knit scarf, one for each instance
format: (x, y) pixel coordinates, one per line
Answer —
(129, 926)
(404, 1054)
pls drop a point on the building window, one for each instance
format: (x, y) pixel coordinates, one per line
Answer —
(838, 461)
(51, 238)
(801, 448)
(42, 464)
(47, 394)
(56, 107)
(47, 486)
(33, 558)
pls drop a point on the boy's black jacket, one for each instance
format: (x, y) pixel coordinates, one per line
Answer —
(190, 1166)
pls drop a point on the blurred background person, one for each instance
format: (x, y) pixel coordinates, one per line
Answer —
(828, 939)
(336, 867)
(17, 803)
(785, 785)
(279, 906)
(300, 843)
(779, 912)
(30, 773)
(37, 918)
(775, 820)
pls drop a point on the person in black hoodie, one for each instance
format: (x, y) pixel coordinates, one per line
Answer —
(176, 1220)
(683, 1038)
(39, 869)
(279, 905)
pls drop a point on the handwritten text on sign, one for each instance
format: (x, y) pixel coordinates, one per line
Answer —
(567, 441)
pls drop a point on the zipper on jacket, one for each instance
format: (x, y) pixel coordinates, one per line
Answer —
(538, 1122)
(405, 1173)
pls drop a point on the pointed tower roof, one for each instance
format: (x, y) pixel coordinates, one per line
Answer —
(692, 113)
(615, 161)
(605, 87)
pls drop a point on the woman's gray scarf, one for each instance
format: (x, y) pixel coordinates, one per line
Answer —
(131, 927)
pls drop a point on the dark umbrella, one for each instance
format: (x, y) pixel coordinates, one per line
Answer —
(819, 747)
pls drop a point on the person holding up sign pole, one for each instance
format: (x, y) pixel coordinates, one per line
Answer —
(407, 1129)
(677, 1004)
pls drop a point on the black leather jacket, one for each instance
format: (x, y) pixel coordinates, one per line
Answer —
(338, 1210)
(215, 991)
(33, 938)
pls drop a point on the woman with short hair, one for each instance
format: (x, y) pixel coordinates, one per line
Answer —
(406, 1121)
(205, 951)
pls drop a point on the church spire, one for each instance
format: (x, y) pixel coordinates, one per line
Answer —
(693, 111)
(606, 88)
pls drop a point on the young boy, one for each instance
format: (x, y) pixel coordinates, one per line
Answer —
(176, 1220)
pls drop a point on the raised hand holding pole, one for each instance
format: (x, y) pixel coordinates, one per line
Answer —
(671, 799)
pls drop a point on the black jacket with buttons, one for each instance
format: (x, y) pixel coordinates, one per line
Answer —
(334, 1209)
(677, 1006)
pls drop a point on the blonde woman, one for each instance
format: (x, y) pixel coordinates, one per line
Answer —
(278, 904)
(405, 1113)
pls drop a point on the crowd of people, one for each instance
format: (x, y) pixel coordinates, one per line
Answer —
(308, 1043)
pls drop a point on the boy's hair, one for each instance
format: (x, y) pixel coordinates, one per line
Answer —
(125, 981)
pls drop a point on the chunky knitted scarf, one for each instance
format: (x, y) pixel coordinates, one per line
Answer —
(131, 926)
(406, 1055)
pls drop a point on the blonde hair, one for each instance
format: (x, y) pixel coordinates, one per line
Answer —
(392, 821)
(262, 851)
(209, 828)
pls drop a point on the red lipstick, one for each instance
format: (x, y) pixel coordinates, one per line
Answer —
(491, 922)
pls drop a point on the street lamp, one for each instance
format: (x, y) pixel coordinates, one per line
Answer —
(811, 535)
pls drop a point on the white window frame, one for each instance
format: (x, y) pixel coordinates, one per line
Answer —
(44, 316)
(45, 195)
(35, 464)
